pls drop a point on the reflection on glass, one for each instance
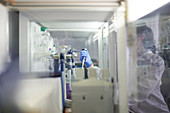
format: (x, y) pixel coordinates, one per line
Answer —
(152, 64)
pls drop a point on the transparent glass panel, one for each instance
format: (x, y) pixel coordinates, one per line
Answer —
(148, 53)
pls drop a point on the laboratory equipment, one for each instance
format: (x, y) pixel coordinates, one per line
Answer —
(99, 100)
(74, 54)
(38, 95)
(66, 57)
(56, 62)
(83, 62)
(69, 66)
(63, 84)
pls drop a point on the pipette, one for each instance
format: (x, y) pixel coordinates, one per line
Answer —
(83, 62)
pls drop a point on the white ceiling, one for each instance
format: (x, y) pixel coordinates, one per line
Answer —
(88, 16)
(47, 16)
(63, 2)
(70, 20)
(72, 24)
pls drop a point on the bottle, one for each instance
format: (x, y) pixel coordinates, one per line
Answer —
(54, 49)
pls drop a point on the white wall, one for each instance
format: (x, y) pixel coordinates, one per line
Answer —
(100, 49)
(24, 43)
(4, 55)
(92, 46)
(139, 8)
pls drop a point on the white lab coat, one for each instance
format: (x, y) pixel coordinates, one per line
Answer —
(98, 71)
(150, 68)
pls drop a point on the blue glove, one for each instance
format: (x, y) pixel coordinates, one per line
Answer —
(85, 53)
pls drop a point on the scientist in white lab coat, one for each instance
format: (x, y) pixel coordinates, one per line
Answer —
(150, 68)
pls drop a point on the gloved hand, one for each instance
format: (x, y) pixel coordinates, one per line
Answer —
(85, 53)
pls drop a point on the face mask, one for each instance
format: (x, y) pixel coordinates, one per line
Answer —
(149, 45)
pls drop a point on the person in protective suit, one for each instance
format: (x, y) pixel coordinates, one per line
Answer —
(150, 68)
(89, 64)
